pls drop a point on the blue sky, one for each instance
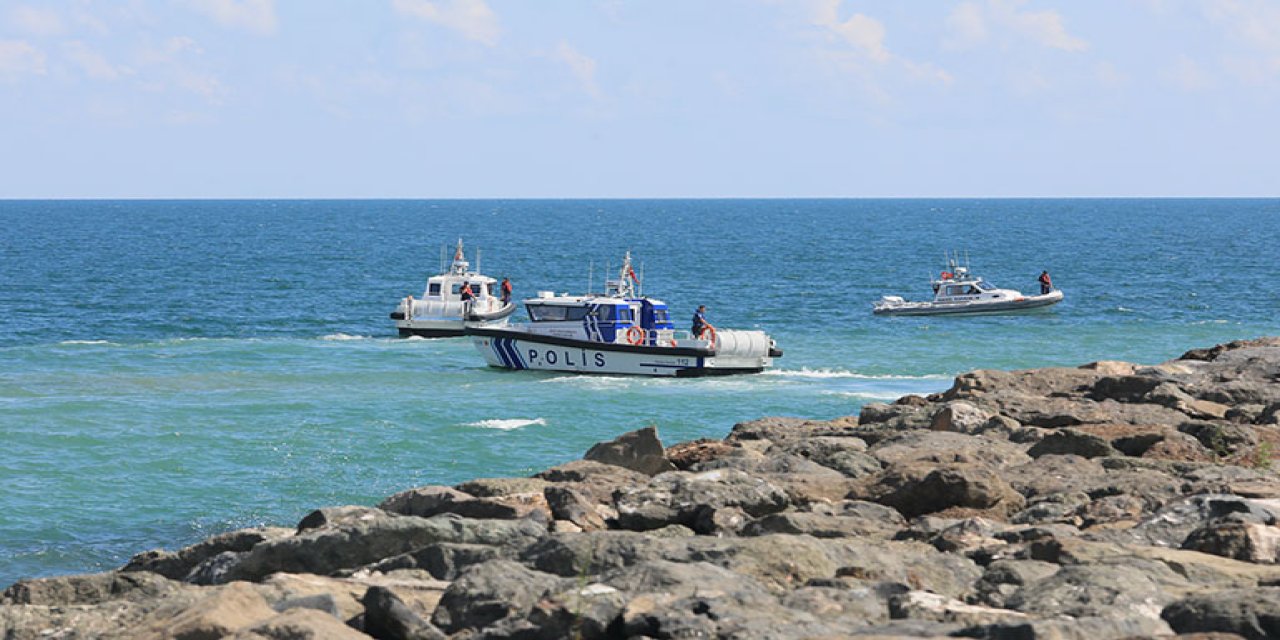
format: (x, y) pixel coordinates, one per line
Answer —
(643, 98)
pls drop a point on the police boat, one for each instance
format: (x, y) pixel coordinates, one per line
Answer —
(618, 332)
(441, 311)
(956, 291)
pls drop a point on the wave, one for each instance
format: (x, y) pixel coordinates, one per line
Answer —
(839, 373)
(343, 336)
(89, 342)
(864, 395)
(507, 424)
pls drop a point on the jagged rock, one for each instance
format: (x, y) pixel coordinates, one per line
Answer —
(1126, 626)
(1111, 367)
(959, 416)
(1252, 613)
(687, 454)
(513, 506)
(490, 592)
(324, 551)
(567, 504)
(502, 487)
(387, 617)
(224, 611)
(89, 589)
(1213, 353)
(846, 455)
(423, 502)
(1072, 442)
(679, 496)
(941, 447)
(850, 518)
(1233, 537)
(922, 605)
(640, 451)
(301, 624)
(1175, 521)
(336, 516)
(1222, 438)
(844, 599)
(177, 565)
(1003, 578)
(916, 489)
(442, 560)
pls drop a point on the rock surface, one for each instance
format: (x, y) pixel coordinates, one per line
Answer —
(1113, 500)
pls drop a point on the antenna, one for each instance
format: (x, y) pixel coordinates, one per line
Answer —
(591, 265)
(478, 270)
(641, 283)
(442, 252)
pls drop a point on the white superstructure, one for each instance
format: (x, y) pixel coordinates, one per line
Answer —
(956, 291)
(618, 332)
(442, 310)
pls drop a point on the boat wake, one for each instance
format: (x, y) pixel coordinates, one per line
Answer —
(838, 373)
(508, 424)
(343, 336)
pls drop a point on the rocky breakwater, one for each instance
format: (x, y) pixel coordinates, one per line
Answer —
(1111, 500)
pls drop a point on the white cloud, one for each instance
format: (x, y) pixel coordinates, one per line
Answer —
(971, 24)
(866, 36)
(38, 22)
(862, 31)
(582, 67)
(473, 19)
(1254, 22)
(1187, 75)
(92, 63)
(254, 16)
(967, 26)
(17, 57)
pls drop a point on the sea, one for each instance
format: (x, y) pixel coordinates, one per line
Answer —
(170, 370)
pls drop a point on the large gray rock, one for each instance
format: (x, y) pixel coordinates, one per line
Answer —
(845, 519)
(89, 589)
(916, 489)
(423, 502)
(681, 497)
(324, 551)
(640, 451)
(492, 591)
(942, 447)
(387, 617)
(1252, 613)
(178, 564)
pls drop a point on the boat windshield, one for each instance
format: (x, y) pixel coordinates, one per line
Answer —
(985, 286)
(433, 289)
(555, 313)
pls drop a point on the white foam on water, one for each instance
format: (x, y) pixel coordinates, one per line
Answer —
(864, 395)
(837, 373)
(88, 342)
(507, 424)
(343, 336)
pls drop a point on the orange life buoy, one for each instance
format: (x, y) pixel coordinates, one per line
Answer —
(946, 275)
(708, 334)
(635, 335)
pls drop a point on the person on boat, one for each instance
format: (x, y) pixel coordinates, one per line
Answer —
(466, 294)
(700, 324)
(1046, 284)
(506, 291)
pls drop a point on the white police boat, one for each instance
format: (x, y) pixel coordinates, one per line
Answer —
(959, 292)
(441, 311)
(618, 332)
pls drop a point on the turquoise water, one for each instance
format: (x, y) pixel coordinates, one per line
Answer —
(171, 370)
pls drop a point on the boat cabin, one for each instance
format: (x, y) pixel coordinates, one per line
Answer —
(604, 318)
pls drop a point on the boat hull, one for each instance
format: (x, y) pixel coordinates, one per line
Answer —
(518, 350)
(450, 327)
(1027, 303)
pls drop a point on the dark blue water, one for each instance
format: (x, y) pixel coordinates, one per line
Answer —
(169, 370)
